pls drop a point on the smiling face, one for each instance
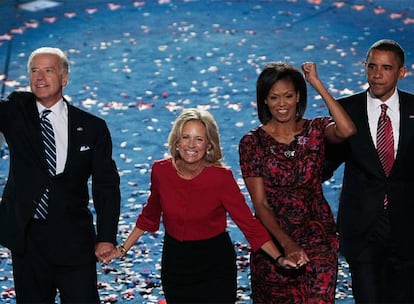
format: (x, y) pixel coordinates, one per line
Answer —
(383, 72)
(282, 101)
(47, 78)
(193, 143)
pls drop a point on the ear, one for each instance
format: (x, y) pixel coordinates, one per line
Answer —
(403, 72)
(65, 78)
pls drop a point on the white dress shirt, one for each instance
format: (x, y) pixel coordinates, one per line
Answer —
(393, 111)
(59, 120)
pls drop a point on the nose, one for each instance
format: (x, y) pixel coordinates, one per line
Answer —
(192, 142)
(39, 75)
(377, 73)
(282, 101)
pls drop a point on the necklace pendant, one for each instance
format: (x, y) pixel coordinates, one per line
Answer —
(289, 153)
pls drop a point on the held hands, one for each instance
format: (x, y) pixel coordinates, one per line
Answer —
(296, 254)
(103, 251)
(106, 252)
(118, 252)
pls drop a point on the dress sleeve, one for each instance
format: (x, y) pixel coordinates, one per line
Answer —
(250, 155)
(322, 122)
(150, 217)
(235, 204)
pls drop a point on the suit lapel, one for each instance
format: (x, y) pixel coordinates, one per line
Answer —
(406, 136)
(75, 132)
(34, 131)
(365, 141)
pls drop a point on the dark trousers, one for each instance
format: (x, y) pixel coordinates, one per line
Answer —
(378, 274)
(38, 278)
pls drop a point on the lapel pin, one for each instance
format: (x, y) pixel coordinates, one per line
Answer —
(80, 129)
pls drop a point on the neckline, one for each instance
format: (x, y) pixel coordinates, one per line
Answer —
(190, 177)
(295, 136)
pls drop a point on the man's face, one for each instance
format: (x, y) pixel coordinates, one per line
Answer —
(383, 73)
(47, 79)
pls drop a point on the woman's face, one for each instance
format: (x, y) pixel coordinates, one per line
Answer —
(192, 146)
(282, 101)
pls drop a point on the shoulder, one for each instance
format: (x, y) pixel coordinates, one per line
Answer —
(251, 136)
(353, 98)
(406, 95)
(79, 114)
(354, 102)
(20, 97)
(162, 164)
(318, 121)
(220, 170)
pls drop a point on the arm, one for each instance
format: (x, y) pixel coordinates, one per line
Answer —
(106, 194)
(121, 250)
(343, 127)
(257, 193)
(283, 261)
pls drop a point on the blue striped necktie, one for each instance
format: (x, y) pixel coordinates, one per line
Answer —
(48, 138)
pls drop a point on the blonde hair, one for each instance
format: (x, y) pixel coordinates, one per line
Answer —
(64, 62)
(214, 154)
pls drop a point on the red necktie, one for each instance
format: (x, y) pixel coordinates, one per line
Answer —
(385, 142)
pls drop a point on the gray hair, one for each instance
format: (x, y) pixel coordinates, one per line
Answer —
(64, 62)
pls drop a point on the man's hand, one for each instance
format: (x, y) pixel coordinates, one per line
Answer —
(103, 251)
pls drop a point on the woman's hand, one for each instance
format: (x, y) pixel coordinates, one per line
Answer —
(117, 252)
(311, 74)
(287, 263)
(296, 253)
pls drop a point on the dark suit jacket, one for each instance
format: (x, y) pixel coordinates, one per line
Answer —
(365, 183)
(70, 220)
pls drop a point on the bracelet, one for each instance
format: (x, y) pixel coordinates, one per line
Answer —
(277, 260)
(123, 250)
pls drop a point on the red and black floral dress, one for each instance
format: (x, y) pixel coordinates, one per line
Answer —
(292, 180)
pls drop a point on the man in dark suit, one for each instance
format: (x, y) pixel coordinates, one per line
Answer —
(376, 205)
(57, 248)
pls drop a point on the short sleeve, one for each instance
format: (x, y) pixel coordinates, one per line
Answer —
(251, 155)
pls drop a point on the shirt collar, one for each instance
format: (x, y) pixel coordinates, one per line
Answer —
(391, 102)
(57, 108)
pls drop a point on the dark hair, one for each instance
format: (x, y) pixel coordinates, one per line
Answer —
(388, 45)
(273, 72)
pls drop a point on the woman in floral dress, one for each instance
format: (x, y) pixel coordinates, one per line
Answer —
(281, 163)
